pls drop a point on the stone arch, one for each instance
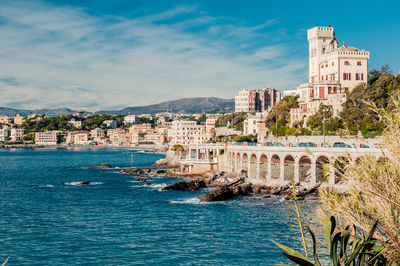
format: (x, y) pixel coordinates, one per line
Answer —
(263, 166)
(252, 173)
(304, 168)
(275, 166)
(288, 168)
(237, 162)
(221, 152)
(340, 167)
(321, 171)
(244, 161)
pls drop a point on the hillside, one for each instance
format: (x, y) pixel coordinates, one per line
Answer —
(49, 112)
(186, 105)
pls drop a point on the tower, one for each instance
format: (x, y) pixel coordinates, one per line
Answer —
(321, 40)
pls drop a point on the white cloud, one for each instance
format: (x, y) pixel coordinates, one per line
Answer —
(61, 56)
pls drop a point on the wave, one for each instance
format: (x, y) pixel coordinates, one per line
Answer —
(187, 201)
(158, 187)
(46, 186)
(79, 183)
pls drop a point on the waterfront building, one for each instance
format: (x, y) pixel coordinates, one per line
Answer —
(187, 132)
(18, 120)
(252, 101)
(110, 123)
(46, 138)
(333, 71)
(75, 123)
(162, 130)
(153, 137)
(118, 135)
(129, 119)
(4, 134)
(70, 138)
(16, 134)
(81, 137)
(97, 133)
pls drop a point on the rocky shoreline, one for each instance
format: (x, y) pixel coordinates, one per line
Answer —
(226, 185)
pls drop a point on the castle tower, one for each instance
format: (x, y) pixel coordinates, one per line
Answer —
(321, 40)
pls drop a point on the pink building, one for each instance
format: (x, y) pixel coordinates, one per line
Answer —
(18, 120)
(252, 101)
(46, 138)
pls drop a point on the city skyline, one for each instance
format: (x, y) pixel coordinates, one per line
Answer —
(113, 55)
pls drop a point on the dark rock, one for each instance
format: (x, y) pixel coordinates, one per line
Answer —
(161, 171)
(219, 194)
(84, 183)
(147, 184)
(104, 166)
(139, 180)
(193, 185)
(133, 171)
(267, 196)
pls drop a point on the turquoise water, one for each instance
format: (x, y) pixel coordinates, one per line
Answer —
(46, 219)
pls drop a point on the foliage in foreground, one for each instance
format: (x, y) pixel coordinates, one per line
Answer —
(345, 248)
(374, 189)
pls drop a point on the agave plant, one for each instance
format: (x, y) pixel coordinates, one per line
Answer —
(345, 247)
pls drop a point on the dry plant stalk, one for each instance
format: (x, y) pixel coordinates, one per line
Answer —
(374, 190)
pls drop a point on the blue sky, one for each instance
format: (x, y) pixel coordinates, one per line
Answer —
(113, 54)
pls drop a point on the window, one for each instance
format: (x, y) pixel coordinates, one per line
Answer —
(333, 63)
(358, 76)
(346, 63)
(322, 66)
(326, 77)
(333, 76)
(323, 50)
(346, 76)
(358, 63)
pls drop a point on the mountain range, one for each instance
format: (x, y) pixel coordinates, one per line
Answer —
(185, 105)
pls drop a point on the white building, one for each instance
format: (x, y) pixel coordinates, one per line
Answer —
(75, 123)
(187, 132)
(333, 71)
(46, 138)
(81, 138)
(4, 134)
(129, 119)
(16, 134)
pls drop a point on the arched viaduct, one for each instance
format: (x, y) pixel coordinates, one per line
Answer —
(275, 165)
(283, 164)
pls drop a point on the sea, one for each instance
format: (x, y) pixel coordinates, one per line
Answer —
(47, 218)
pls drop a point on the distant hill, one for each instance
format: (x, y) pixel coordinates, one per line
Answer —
(49, 112)
(185, 105)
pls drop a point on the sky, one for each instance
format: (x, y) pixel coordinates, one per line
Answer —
(111, 54)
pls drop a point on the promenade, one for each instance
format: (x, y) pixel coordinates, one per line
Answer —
(276, 165)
